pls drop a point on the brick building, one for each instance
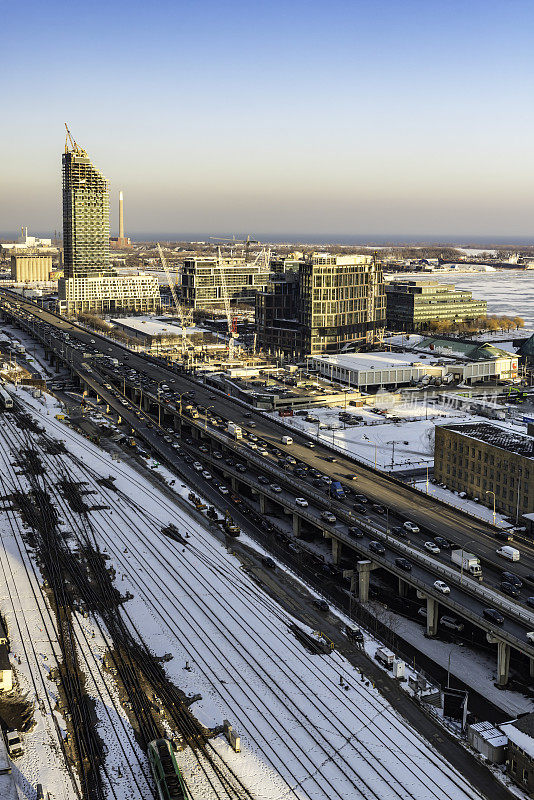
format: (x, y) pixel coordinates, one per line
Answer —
(481, 458)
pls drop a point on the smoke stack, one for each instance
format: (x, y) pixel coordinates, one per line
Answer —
(121, 216)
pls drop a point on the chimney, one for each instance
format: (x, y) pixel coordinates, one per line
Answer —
(121, 216)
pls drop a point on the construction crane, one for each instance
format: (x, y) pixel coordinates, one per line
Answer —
(185, 319)
(73, 144)
(247, 242)
(231, 322)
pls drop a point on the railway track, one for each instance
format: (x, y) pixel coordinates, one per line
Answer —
(236, 583)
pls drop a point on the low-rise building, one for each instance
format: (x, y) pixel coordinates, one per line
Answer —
(520, 766)
(152, 331)
(411, 305)
(489, 741)
(474, 362)
(489, 462)
(109, 293)
(376, 369)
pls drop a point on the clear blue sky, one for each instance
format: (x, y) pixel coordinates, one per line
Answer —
(347, 116)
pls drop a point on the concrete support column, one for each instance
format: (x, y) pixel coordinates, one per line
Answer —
(403, 588)
(503, 662)
(234, 483)
(296, 525)
(336, 550)
(262, 504)
(364, 571)
(195, 433)
(431, 616)
(531, 660)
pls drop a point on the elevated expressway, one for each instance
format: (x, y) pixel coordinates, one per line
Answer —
(467, 598)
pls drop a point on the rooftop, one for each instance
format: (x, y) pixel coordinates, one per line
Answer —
(375, 360)
(521, 732)
(463, 348)
(497, 436)
(490, 733)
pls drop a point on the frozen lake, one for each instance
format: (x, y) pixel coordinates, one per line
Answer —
(509, 292)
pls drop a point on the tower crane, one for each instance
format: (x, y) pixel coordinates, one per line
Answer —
(185, 319)
(232, 326)
(247, 242)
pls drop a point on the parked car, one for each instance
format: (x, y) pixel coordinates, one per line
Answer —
(493, 615)
(442, 587)
(15, 748)
(403, 563)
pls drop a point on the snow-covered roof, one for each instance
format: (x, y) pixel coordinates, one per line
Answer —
(151, 327)
(498, 436)
(490, 733)
(374, 360)
(521, 733)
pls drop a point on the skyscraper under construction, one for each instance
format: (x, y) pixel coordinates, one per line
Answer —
(85, 214)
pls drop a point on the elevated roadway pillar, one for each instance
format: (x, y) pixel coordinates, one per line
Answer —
(234, 483)
(262, 503)
(403, 588)
(503, 658)
(296, 525)
(364, 571)
(336, 550)
(432, 606)
(531, 667)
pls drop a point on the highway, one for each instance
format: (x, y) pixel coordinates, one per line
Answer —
(434, 518)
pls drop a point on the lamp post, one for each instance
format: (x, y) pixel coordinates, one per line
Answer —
(367, 439)
(494, 514)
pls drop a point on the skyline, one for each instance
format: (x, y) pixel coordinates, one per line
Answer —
(361, 121)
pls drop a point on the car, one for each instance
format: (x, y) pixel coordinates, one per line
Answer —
(301, 501)
(356, 532)
(207, 475)
(325, 479)
(189, 460)
(290, 460)
(431, 547)
(444, 544)
(332, 459)
(321, 605)
(15, 747)
(229, 461)
(377, 547)
(241, 467)
(223, 489)
(361, 498)
(411, 526)
(198, 466)
(442, 587)
(354, 634)
(493, 615)
(268, 562)
(263, 479)
(360, 508)
(378, 509)
(530, 602)
(403, 563)
(509, 577)
(253, 438)
(212, 396)
(327, 516)
(204, 449)
(251, 424)
(504, 536)
(247, 414)
(510, 589)
(451, 623)
(217, 455)
(275, 487)
(309, 444)
(398, 530)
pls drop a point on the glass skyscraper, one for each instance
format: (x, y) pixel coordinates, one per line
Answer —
(85, 216)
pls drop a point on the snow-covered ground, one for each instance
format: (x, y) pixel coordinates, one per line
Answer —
(303, 735)
(467, 506)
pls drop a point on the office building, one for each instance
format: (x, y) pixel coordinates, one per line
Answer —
(486, 460)
(332, 303)
(412, 305)
(205, 280)
(30, 267)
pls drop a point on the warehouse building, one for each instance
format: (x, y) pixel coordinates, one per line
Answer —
(373, 370)
(31, 267)
(489, 462)
(411, 305)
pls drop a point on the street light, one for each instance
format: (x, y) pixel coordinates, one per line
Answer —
(372, 442)
(494, 514)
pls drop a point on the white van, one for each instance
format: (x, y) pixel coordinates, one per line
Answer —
(286, 440)
(511, 553)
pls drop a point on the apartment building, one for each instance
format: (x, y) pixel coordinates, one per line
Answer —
(109, 293)
(205, 280)
(487, 461)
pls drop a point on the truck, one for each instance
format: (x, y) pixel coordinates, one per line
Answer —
(234, 430)
(511, 553)
(336, 490)
(468, 562)
(286, 440)
(385, 657)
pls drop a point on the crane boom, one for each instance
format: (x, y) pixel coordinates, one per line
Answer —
(179, 309)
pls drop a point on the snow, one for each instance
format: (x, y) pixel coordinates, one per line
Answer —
(519, 738)
(467, 506)
(303, 735)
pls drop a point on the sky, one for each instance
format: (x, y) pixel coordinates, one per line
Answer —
(350, 117)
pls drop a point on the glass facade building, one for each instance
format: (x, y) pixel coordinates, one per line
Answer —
(411, 305)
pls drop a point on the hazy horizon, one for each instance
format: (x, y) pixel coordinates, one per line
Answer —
(287, 116)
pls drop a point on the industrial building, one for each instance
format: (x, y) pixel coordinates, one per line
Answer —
(151, 332)
(520, 761)
(489, 462)
(205, 280)
(121, 241)
(412, 305)
(332, 303)
(31, 267)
